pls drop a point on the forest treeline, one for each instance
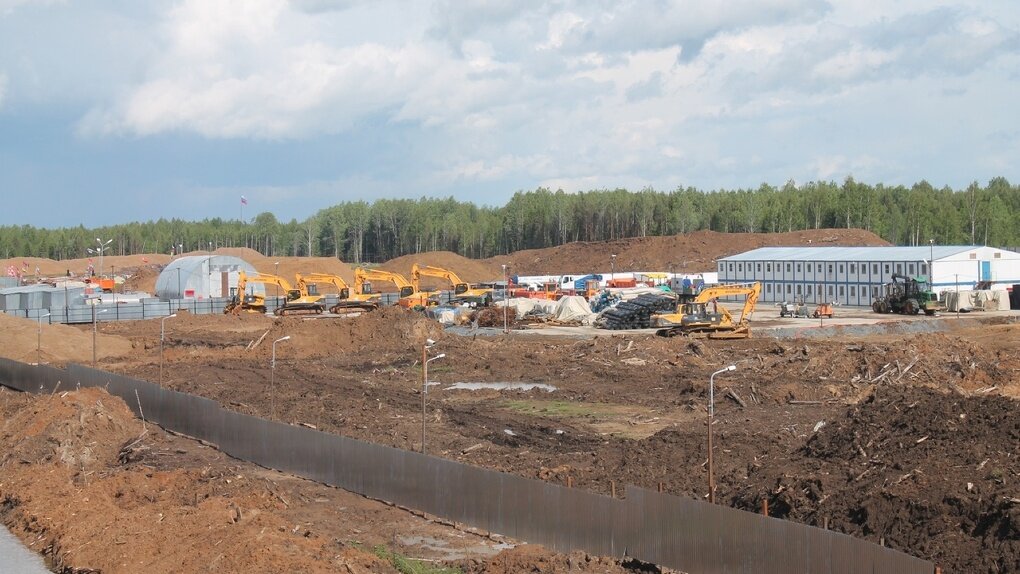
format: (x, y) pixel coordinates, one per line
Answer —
(358, 231)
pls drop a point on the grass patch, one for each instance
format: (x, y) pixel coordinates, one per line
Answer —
(406, 565)
(566, 409)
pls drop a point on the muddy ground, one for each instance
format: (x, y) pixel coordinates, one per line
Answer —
(910, 441)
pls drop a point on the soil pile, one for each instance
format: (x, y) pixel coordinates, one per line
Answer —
(688, 253)
(289, 266)
(470, 270)
(929, 471)
(79, 480)
(79, 267)
(533, 558)
(20, 340)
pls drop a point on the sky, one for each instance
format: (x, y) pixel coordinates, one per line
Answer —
(132, 110)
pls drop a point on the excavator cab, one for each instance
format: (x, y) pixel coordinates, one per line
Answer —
(698, 315)
(460, 288)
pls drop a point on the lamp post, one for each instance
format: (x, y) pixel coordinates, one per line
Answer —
(506, 301)
(711, 415)
(162, 332)
(101, 249)
(272, 378)
(931, 264)
(38, 346)
(612, 267)
(94, 329)
(425, 383)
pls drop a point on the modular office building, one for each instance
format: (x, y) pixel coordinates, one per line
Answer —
(855, 275)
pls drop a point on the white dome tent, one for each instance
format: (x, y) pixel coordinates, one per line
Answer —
(203, 276)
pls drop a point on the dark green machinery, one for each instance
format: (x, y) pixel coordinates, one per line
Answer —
(908, 296)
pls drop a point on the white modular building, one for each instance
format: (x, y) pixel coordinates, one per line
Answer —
(203, 276)
(855, 275)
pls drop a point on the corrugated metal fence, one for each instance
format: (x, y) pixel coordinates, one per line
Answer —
(681, 533)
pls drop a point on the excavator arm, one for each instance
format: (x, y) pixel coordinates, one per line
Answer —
(417, 271)
(695, 318)
(348, 301)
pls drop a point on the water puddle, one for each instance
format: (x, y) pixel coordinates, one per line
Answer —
(16, 558)
(500, 387)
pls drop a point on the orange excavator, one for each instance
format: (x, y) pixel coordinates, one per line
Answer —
(242, 301)
(348, 301)
(463, 292)
(302, 300)
(694, 319)
(409, 296)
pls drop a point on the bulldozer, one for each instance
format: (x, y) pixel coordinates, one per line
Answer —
(694, 319)
(463, 292)
(348, 301)
(908, 296)
(409, 296)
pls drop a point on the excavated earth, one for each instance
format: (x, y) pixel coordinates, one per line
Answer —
(910, 440)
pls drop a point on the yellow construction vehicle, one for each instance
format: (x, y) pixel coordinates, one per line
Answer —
(409, 296)
(302, 300)
(463, 293)
(695, 319)
(242, 301)
(348, 301)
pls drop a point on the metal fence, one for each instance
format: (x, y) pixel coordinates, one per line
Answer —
(685, 534)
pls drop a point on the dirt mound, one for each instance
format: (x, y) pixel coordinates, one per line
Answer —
(79, 267)
(916, 467)
(470, 270)
(289, 266)
(87, 494)
(389, 329)
(19, 340)
(141, 279)
(691, 253)
(533, 558)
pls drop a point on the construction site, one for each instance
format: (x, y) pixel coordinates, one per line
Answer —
(894, 426)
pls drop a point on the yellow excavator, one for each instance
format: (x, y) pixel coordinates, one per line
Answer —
(302, 300)
(242, 301)
(348, 301)
(463, 293)
(409, 296)
(694, 319)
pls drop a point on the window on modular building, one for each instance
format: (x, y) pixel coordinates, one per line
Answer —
(809, 268)
(997, 256)
(842, 291)
(853, 291)
(787, 288)
(830, 289)
(853, 268)
(886, 268)
(808, 289)
(722, 267)
(768, 268)
(798, 268)
(973, 255)
(740, 267)
(830, 267)
(758, 268)
(864, 290)
(874, 268)
(899, 268)
(841, 268)
(924, 269)
(731, 267)
(910, 269)
(768, 287)
(798, 289)
(788, 267)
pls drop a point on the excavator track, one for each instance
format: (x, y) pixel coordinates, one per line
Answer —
(636, 313)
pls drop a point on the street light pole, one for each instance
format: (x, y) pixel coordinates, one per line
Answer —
(94, 329)
(506, 301)
(272, 379)
(612, 267)
(711, 415)
(162, 331)
(425, 384)
(102, 250)
(38, 347)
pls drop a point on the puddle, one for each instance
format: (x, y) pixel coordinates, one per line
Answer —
(501, 386)
(446, 552)
(16, 558)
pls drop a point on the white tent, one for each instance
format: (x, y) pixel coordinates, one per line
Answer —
(203, 276)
